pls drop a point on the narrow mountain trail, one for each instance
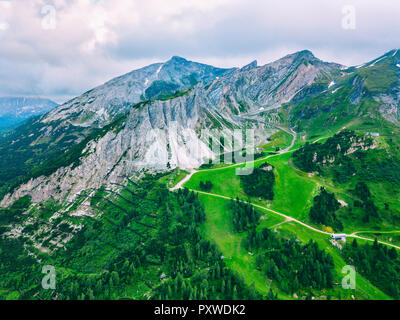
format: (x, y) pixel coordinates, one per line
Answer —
(371, 240)
(286, 150)
(180, 184)
(288, 218)
(381, 232)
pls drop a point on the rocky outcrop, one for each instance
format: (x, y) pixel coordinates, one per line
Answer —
(158, 136)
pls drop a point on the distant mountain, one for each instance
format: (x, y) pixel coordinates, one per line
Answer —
(14, 110)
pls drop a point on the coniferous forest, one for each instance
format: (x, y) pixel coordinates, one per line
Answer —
(323, 210)
(260, 183)
(147, 244)
(376, 262)
(294, 266)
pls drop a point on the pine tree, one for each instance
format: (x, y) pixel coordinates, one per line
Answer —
(235, 293)
(393, 254)
(90, 294)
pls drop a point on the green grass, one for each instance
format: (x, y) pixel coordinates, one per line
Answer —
(385, 236)
(294, 193)
(225, 181)
(174, 178)
(281, 140)
(277, 141)
(380, 77)
(219, 229)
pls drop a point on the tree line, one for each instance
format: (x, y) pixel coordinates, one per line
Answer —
(377, 263)
(295, 267)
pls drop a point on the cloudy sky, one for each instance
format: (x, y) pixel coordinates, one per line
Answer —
(61, 48)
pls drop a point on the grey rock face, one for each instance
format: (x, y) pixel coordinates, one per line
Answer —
(157, 136)
(98, 106)
(389, 107)
(255, 89)
(168, 133)
(356, 95)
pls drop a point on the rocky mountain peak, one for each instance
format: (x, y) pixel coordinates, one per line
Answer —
(250, 66)
(393, 53)
(306, 54)
(177, 59)
(100, 105)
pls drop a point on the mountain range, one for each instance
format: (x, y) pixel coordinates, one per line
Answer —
(116, 192)
(109, 132)
(14, 110)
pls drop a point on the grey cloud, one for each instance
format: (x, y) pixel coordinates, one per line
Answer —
(231, 33)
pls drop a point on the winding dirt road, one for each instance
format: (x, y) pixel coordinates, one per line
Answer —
(288, 218)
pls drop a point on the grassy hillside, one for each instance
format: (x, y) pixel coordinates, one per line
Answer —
(142, 242)
(355, 99)
(294, 191)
